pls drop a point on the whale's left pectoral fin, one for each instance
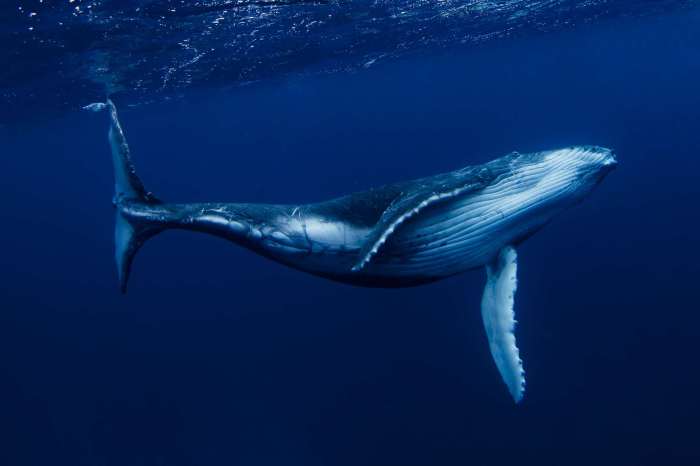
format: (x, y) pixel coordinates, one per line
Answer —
(499, 319)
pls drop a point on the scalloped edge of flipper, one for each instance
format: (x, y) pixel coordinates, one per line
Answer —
(498, 314)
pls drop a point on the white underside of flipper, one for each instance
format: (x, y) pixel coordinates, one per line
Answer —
(499, 319)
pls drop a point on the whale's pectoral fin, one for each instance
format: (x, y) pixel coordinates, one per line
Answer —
(499, 319)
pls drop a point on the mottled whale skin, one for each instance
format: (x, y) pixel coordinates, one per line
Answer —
(399, 235)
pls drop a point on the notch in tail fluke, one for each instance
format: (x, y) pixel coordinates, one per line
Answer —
(129, 192)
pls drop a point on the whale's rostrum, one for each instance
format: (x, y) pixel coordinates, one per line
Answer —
(399, 235)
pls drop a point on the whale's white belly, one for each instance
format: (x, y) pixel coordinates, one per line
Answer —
(468, 232)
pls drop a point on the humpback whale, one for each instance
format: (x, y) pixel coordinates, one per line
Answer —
(399, 235)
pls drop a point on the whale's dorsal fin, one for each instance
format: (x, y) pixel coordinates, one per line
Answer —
(499, 319)
(415, 197)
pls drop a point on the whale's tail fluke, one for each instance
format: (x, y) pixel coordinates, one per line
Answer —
(129, 192)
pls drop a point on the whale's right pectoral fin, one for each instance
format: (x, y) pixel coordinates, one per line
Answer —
(499, 319)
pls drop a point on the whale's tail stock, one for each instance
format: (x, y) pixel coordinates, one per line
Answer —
(130, 231)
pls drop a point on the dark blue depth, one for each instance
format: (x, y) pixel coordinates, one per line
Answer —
(219, 357)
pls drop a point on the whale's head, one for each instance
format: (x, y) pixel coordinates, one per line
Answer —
(575, 171)
(590, 161)
(559, 177)
(532, 188)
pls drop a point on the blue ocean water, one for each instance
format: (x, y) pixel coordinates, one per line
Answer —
(217, 356)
